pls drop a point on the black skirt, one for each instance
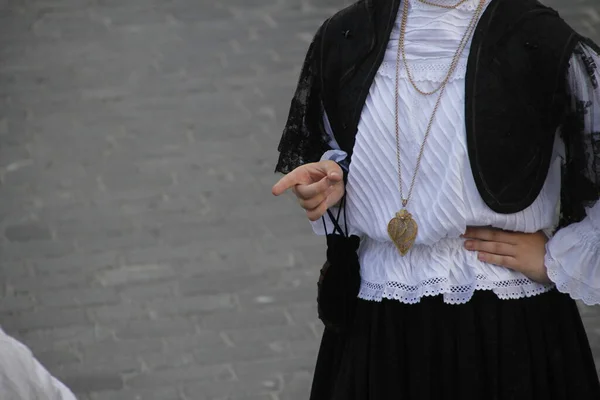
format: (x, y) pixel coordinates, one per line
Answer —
(487, 349)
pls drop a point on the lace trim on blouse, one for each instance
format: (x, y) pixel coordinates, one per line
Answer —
(453, 294)
(425, 71)
(470, 5)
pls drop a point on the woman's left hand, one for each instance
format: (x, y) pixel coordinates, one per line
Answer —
(522, 252)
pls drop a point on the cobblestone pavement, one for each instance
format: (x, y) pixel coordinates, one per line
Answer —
(142, 255)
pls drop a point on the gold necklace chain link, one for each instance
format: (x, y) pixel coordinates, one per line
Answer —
(455, 59)
(441, 89)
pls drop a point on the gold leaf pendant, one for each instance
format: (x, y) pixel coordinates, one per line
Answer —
(403, 231)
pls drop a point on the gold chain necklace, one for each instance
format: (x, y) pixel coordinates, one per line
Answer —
(403, 229)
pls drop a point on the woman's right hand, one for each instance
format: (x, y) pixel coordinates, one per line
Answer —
(318, 186)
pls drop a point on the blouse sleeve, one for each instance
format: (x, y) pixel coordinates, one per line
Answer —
(573, 254)
(335, 153)
(23, 377)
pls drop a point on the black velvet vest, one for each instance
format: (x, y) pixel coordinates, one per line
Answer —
(515, 89)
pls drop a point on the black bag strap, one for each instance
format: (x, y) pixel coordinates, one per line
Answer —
(336, 220)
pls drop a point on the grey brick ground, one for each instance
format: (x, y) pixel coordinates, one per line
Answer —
(141, 253)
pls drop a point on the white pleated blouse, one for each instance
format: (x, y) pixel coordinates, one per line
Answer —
(445, 200)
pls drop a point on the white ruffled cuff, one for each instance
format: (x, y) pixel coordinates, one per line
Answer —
(573, 259)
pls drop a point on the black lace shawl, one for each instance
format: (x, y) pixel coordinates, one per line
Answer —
(581, 134)
(304, 139)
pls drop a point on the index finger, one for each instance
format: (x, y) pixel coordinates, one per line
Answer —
(284, 184)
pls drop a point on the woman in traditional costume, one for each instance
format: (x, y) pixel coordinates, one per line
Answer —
(450, 152)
